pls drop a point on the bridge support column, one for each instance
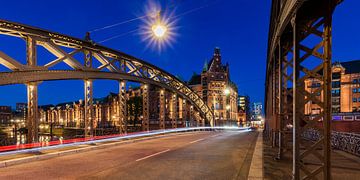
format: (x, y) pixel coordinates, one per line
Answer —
(281, 100)
(320, 73)
(88, 108)
(174, 111)
(184, 113)
(123, 109)
(162, 109)
(146, 115)
(32, 93)
(191, 116)
(32, 113)
(88, 93)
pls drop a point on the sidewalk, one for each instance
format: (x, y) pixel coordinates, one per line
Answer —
(344, 165)
(256, 167)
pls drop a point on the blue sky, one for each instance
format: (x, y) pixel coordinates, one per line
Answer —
(238, 27)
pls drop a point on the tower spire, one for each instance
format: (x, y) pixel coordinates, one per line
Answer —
(205, 68)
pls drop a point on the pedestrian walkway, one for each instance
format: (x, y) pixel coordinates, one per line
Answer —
(344, 166)
(256, 168)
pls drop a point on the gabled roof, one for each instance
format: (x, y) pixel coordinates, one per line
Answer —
(195, 79)
(215, 64)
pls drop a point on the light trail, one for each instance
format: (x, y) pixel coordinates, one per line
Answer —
(34, 147)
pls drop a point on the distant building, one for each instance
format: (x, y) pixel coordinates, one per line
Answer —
(244, 109)
(345, 96)
(5, 115)
(257, 111)
(20, 111)
(214, 86)
(345, 89)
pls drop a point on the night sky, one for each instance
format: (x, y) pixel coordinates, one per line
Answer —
(238, 27)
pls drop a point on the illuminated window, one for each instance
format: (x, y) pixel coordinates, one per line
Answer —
(354, 90)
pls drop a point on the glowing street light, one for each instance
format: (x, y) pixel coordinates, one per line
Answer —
(227, 91)
(228, 107)
(159, 30)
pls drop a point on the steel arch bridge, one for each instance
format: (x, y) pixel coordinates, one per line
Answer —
(299, 50)
(114, 65)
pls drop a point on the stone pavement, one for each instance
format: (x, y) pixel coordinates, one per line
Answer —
(344, 166)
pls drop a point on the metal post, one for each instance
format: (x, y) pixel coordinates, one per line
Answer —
(162, 109)
(32, 112)
(296, 102)
(32, 93)
(280, 103)
(145, 98)
(123, 109)
(327, 90)
(89, 124)
(88, 93)
(174, 111)
(184, 113)
(191, 116)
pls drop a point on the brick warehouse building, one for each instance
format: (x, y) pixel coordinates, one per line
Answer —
(216, 88)
(345, 96)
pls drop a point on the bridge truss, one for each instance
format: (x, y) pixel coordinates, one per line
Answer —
(80, 56)
(299, 49)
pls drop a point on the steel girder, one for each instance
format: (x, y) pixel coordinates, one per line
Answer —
(299, 49)
(114, 64)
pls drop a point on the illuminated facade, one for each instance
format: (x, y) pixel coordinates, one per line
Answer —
(166, 110)
(217, 90)
(345, 89)
(244, 109)
(5, 114)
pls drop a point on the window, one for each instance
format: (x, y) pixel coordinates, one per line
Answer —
(354, 90)
(354, 99)
(355, 81)
(336, 84)
(336, 76)
(335, 92)
(359, 99)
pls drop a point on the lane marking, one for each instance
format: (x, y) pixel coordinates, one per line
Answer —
(153, 155)
(215, 135)
(196, 140)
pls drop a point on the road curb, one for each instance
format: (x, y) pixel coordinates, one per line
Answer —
(17, 161)
(256, 167)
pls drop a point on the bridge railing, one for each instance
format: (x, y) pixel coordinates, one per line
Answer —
(348, 142)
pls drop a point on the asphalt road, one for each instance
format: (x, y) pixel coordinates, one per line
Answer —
(199, 155)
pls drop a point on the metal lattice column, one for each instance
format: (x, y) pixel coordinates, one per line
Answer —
(191, 116)
(32, 93)
(32, 112)
(123, 108)
(88, 93)
(319, 150)
(174, 111)
(162, 109)
(146, 115)
(88, 119)
(184, 113)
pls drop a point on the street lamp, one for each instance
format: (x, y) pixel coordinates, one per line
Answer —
(227, 91)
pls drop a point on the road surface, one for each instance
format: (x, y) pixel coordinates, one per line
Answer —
(195, 155)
